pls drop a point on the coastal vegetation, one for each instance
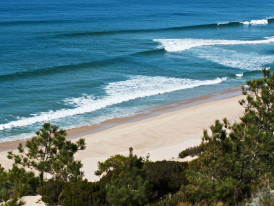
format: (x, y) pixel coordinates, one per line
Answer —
(49, 152)
(232, 166)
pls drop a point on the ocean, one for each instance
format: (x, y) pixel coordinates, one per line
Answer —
(78, 62)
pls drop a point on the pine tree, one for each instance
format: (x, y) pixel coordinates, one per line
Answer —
(237, 157)
(49, 152)
(15, 183)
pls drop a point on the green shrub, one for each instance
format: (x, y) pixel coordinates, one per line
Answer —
(13, 202)
(51, 190)
(129, 188)
(125, 181)
(83, 193)
(170, 200)
(136, 181)
(16, 183)
(166, 176)
(192, 151)
(111, 163)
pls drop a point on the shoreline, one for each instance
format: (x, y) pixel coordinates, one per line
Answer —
(91, 129)
(161, 133)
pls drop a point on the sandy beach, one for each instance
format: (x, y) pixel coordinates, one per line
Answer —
(162, 133)
(151, 76)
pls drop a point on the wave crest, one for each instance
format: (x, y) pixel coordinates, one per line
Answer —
(256, 22)
(178, 45)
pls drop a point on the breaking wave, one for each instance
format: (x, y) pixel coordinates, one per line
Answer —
(257, 22)
(178, 45)
(239, 75)
(116, 93)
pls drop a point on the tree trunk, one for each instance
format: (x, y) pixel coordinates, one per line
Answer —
(41, 176)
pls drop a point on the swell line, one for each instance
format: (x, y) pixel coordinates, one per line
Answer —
(56, 69)
(99, 33)
(181, 28)
(32, 22)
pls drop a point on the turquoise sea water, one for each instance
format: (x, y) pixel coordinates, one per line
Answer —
(76, 63)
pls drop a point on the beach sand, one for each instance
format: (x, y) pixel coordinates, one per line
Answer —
(162, 134)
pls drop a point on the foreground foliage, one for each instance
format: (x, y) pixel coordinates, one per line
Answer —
(128, 185)
(166, 177)
(15, 183)
(237, 158)
(127, 180)
(49, 152)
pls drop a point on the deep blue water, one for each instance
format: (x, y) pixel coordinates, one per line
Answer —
(77, 63)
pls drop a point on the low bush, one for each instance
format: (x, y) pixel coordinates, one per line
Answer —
(51, 190)
(83, 193)
(16, 183)
(166, 176)
(171, 200)
(126, 183)
(192, 151)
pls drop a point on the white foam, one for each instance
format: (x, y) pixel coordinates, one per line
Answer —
(222, 23)
(256, 22)
(116, 92)
(178, 45)
(239, 75)
(246, 61)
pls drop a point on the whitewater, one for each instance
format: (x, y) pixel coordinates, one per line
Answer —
(178, 45)
(136, 87)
